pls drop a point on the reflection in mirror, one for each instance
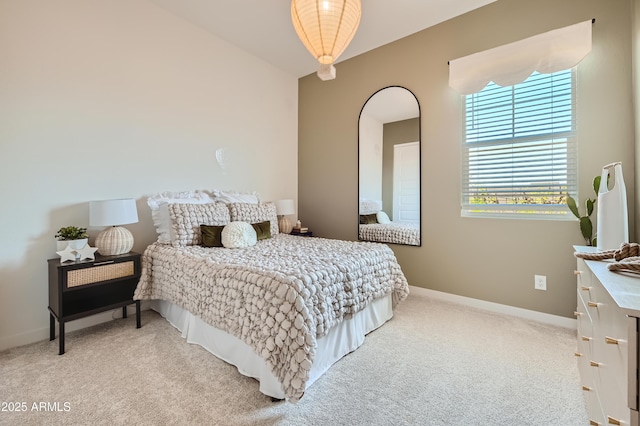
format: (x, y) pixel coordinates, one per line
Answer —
(389, 168)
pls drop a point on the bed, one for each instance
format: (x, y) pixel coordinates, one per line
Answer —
(390, 232)
(375, 225)
(281, 308)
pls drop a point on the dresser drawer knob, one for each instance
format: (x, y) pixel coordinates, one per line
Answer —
(593, 423)
(576, 272)
(576, 313)
(585, 288)
(586, 388)
(592, 304)
(611, 340)
(594, 364)
(586, 339)
(613, 421)
(577, 354)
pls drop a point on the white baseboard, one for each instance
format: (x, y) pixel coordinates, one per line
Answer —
(497, 307)
(40, 334)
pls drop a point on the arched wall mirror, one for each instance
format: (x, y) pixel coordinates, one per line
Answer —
(389, 168)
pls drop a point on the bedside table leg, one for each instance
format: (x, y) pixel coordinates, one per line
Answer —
(52, 327)
(124, 312)
(61, 338)
(138, 324)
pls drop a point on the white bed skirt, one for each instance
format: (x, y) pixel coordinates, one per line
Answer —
(342, 339)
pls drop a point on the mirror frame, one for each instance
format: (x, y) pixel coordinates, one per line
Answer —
(419, 161)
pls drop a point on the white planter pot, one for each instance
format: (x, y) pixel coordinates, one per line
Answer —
(75, 244)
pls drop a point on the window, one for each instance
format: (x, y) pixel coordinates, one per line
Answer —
(519, 148)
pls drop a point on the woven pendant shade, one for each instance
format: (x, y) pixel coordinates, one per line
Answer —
(326, 27)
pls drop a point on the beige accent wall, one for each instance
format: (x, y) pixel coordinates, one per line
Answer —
(370, 151)
(104, 99)
(398, 132)
(489, 259)
(635, 43)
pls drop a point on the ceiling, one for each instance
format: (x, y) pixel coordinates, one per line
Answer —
(263, 27)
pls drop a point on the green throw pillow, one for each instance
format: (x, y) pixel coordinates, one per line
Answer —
(368, 219)
(211, 235)
(263, 230)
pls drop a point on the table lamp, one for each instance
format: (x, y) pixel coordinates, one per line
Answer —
(116, 239)
(283, 208)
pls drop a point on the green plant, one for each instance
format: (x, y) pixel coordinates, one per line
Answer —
(586, 227)
(71, 233)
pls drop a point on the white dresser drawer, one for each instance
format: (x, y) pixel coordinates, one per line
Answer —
(604, 343)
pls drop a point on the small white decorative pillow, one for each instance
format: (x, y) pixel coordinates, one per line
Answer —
(383, 217)
(187, 218)
(160, 213)
(255, 213)
(239, 235)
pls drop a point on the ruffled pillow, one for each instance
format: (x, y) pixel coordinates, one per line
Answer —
(238, 235)
(235, 196)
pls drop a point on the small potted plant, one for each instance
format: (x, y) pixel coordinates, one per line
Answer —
(74, 236)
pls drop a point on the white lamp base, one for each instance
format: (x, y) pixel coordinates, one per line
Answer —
(114, 240)
(284, 225)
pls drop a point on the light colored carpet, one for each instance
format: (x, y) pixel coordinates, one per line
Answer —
(434, 363)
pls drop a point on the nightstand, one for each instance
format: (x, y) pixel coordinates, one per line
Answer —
(302, 234)
(83, 288)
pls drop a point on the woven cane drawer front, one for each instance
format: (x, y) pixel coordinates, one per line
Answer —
(84, 276)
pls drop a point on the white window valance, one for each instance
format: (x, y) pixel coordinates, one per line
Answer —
(512, 63)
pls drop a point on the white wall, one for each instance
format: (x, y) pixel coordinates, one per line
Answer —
(635, 62)
(370, 152)
(111, 99)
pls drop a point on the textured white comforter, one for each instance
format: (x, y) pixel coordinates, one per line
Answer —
(396, 233)
(278, 296)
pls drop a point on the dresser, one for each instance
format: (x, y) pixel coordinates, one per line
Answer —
(608, 308)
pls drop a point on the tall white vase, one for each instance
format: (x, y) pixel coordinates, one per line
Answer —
(613, 225)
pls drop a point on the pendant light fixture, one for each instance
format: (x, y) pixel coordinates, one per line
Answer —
(326, 27)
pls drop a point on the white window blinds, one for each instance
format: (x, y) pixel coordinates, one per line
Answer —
(519, 149)
(519, 144)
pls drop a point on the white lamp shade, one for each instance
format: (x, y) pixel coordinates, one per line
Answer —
(113, 212)
(284, 207)
(326, 27)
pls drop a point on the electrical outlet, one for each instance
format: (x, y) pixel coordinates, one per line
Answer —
(540, 282)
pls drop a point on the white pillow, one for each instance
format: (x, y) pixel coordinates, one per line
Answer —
(239, 235)
(160, 213)
(235, 197)
(382, 217)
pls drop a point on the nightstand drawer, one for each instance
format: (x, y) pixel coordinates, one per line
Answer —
(96, 274)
